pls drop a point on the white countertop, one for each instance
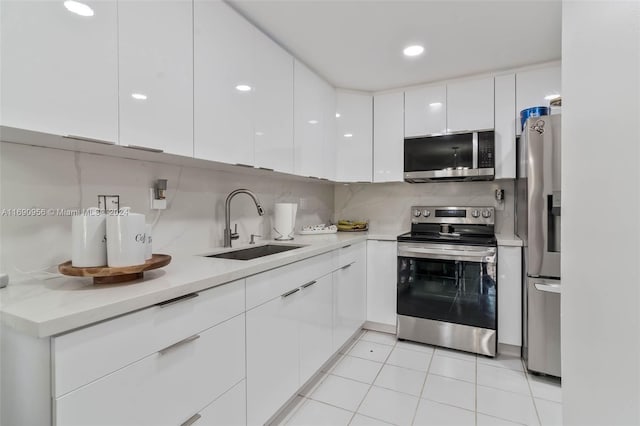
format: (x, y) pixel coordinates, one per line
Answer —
(508, 240)
(44, 308)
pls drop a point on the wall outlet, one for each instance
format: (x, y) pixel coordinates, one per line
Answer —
(156, 204)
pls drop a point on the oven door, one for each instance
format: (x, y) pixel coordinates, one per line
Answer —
(449, 283)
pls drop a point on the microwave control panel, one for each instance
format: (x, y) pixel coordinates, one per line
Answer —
(486, 154)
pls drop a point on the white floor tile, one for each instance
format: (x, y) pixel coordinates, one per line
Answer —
(545, 388)
(504, 361)
(414, 346)
(358, 369)
(401, 379)
(360, 420)
(484, 420)
(390, 406)
(506, 405)
(550, 412)
(453, 367)
(379, 337)
(434, 414)
(452, 353)
(371, 351)
(316, 413)
(502, 378)
(450, 391)
(340, 392)
(409, 359)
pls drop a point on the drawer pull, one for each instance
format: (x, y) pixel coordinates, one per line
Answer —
(309, 284)
(82, 138)
(347, 266)
(176, 300)
(289, 293)
(244, 165)
(180, 343)
(347, 246)
(143, 148)
(191, 420)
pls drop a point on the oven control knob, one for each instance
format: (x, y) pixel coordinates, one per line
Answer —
(475, 213)
(486, 214)
(426, 213)
(416, 213)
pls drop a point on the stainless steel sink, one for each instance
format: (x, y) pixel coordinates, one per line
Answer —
(254, 252)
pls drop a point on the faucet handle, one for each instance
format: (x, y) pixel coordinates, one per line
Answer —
(234, 234)
(252, 238)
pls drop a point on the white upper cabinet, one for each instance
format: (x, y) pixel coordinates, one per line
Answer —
(535, 88)
(329, 131)
(273, 105)
(354, 137)
(223, 83)
(388, 137)
(470, 105)
(309, 113)
(425, 111)
(59, 68)
(156, 75)
(505, 127)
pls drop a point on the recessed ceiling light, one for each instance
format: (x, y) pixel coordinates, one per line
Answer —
(348, 135)
(552, 96)
(414, 50)
(312, 121)
(337, 115)
(243, 88)
(435, 104)
(259, 133)
(78, 8)
(139, 96)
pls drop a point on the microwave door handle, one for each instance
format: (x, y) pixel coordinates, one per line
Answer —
(474, 145)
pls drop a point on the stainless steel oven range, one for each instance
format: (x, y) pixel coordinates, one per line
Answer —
(447, 279)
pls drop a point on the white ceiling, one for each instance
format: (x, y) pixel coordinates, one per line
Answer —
(357, 44)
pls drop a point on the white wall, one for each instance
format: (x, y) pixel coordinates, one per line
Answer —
(601, 212)
(51, 178)
(388, 205)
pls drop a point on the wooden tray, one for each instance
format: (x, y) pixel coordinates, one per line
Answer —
(107, 275)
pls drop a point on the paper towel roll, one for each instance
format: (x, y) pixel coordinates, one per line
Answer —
(284, 221)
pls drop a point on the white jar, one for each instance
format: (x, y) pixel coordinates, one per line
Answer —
(88, 239)
(125, 239)
(148, 253)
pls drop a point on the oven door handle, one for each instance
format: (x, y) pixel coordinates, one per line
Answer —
(482, 256)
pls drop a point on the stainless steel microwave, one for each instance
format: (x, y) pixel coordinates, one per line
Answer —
(451, 157)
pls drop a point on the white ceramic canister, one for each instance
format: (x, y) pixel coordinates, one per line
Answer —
(148, 239)
(88, 239)
(126, 240)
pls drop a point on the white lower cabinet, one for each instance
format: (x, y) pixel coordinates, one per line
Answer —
(381, 281)
(165, 388)
(510, 295)
(227, 410)
(349, 299)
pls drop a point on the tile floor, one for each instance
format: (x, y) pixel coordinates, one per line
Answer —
(380, 381)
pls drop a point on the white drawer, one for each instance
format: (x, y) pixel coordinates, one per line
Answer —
(268, 285)
(84, 355)
(163, 388)
(350, 253)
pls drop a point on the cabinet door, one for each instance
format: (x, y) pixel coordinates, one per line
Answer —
(349, 300)
(272, 357)
(425, 111)
(381, 281)
(470, 105)
(388, 137)
(223, 84)
(315, 325)
(532, 88)
(329, 131)
(155, 52)
(273, 105)
(505, 134)
(228, 410)
(510, 295)
(164, 388)
(308, 122)
(354, 138)
(59, 69)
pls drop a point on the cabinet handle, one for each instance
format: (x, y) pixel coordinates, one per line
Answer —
(191, 420)
(348, 266)
(143, 148)
(347, 246)
(267, 169)
(289, 293)
(177, 299)
(245, 165)
(309, 284)
(178, 344)
(82, 138)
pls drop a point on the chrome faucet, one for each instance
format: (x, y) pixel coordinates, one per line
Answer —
(228, 235)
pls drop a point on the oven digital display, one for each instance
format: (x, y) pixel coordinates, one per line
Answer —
(451, 213)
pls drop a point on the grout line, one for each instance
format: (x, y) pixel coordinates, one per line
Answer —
(535, 406)
(475, 394)
(424, 384)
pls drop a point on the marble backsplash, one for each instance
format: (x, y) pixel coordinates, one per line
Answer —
(388, 205)
(50, 178)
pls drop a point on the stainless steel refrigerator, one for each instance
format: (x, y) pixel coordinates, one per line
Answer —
(538, 225)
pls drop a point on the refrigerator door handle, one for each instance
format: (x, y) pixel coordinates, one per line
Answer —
(548, 288)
